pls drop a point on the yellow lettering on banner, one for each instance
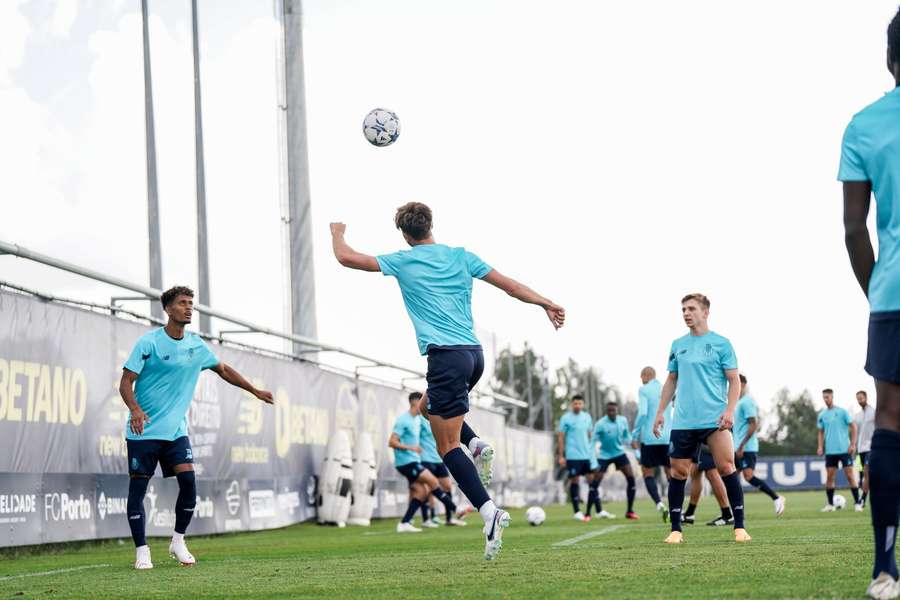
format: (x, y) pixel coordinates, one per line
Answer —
(62, 380)
(78, 397)
(282, 423)
(4, 387)
(32, 370)
(13, 412)
(43, 404)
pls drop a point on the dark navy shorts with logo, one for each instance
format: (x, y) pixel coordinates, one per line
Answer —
(685, 443)
(574, 468)
(864, 458)
(452, 373)
(704, 460)
(620, 461)
(411, 471)
(143, 455)
(437, 469)
(654, 455)
(748, 461)
(883, 356)
(832, 460)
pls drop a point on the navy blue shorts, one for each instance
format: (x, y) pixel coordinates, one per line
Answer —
(883, 356)
(620, 461)
(574, 468)
(452, 373)
(704, 460)
(411, 471)
(748, 462)
(685, 443)
(864, 458)
(654, 455)
(832, 460)
(144, 454)
(439, 470)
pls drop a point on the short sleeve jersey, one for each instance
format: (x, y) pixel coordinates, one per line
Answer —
(648, 404)
(611, 435)
(436, 283)
(746, 409)
(427, 443)
(870, 151)
(577, 429)
(835, 422)
(167, 371)
(702, 389)
(407, 427)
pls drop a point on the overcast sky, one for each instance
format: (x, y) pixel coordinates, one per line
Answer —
(614, 156)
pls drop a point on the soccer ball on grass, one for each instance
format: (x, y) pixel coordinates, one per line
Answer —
(535, 516)
(839, 501)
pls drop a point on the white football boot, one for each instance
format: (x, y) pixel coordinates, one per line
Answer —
(493, 534)
(142, 558)
(179, 551)
(407, 528)
(883, 587)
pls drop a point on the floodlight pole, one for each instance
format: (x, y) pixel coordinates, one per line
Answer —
(203, 294)
(155, 252)
(302, 278)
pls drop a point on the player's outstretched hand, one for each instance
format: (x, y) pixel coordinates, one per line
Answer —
(658, 425)
(265, 396)
(556, 314)
(338, 229)
(138, 418)
(726, 421)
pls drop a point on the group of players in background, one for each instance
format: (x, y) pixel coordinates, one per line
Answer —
(436, 284)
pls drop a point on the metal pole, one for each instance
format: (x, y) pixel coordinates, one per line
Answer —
(202, 246)
(303, 293)
(155, 254)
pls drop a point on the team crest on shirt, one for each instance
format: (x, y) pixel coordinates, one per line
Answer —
(191, 352)
(166, 357)
(708, 350)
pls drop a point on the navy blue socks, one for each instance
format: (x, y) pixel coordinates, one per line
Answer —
(763, 487)
(652, 489)
(575, 492)
(466, 434)
(445, 499)
(855, 492)
(137, 487)
(414, 505)
(593, 500)
(186, 502)
(629, 481)
(884, 496)
(735, 498)
(676, 499)
(830, 495)
(466, 476)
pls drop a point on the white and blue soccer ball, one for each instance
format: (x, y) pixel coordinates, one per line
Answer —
(535, 516)
(839, 501)
(381, 127)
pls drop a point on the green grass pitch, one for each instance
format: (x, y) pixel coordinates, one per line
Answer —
(803, 554)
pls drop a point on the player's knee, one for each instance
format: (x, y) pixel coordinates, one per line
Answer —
(137, 488)
(748, 475)
(187, 483)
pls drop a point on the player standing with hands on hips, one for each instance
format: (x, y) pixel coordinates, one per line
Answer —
(436, 284)
(703, 371)
(157, 385)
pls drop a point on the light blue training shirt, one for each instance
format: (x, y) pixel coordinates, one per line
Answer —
(407, 427)
(578, 430)
(835, 422)
(702, 388)
(427, 443)
(746, 409)
(611, 435)
(648, 404)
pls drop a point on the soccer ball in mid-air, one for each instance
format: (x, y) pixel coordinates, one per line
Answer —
(839, 501)
(535, 516)
(381, 127)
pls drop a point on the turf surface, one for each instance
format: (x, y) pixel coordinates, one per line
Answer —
(803, 554)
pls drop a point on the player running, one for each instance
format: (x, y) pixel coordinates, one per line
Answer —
(705, 465)
(157, 385)
(612, 432)
(654, 450)
(865, 427)
(746, 445)
(436, 283)
(834, 423)
(405, 440)
(575, 452)
(703, 372)
(870, 162)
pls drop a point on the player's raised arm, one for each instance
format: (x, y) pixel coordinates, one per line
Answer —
(346, 255)
(236, 379)
(520, 291)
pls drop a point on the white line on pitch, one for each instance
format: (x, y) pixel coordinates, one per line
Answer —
(53, 572)
(589, 535)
